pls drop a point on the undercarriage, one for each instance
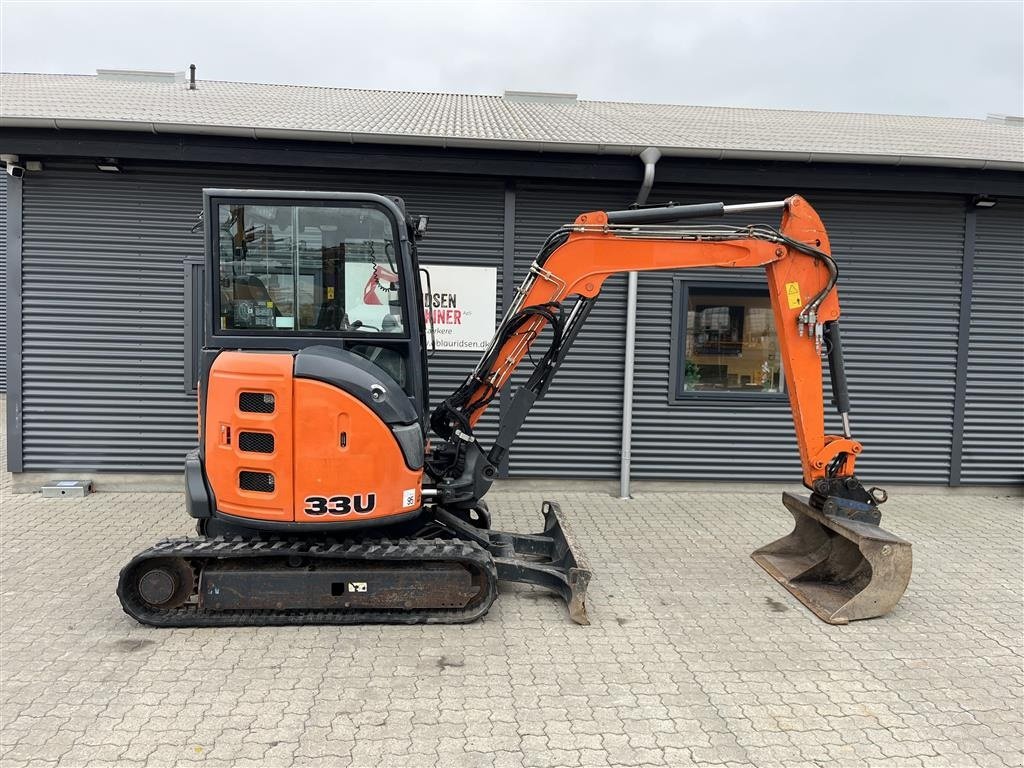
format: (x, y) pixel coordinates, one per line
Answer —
(443, 570)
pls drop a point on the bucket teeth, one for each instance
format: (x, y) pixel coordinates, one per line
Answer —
(843, 570)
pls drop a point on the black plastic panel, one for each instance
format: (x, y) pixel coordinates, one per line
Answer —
(256, 402)
(262, 482)
(256, 442)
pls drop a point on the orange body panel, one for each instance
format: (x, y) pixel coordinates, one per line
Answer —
(364, 479)
(333, 460)
(802, 367)
(232, 374)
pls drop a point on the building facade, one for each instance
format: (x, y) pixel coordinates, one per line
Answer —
(96, 282)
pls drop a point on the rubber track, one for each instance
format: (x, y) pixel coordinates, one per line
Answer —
(465, 553)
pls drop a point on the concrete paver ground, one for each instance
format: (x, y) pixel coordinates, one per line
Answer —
(695, 655)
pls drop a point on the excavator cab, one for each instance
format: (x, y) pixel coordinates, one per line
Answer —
(308, 483)
(313, 386)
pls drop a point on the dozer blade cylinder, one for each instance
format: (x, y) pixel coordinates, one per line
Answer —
(843, 570)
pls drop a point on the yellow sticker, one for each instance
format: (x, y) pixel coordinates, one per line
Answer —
(270, 305)
(793, 295)
(330, 292)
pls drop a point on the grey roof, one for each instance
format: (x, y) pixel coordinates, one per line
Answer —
(514, 121)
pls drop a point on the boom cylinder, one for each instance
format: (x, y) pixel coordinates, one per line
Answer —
(665, 214)
(670, 213)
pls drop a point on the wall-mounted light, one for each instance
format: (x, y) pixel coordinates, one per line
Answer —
(13, 164)
(108, 165)
(983, 201)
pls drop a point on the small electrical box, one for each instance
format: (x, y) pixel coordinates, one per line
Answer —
(67, 488)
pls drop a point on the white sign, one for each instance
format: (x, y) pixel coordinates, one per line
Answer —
(461, 304)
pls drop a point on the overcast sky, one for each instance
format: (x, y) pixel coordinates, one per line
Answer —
(958, 59)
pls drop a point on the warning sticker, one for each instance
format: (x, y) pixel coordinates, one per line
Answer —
(330, 293)
(793, 295)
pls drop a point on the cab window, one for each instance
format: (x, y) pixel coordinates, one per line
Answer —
(288, 268)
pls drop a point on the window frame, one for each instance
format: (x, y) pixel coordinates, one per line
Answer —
(213, 246)
(194, 293)
(677, 394)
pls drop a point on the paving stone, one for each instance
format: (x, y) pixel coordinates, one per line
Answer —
(694, 655)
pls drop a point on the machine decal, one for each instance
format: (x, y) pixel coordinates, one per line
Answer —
(408, 497)
(793, 295)
(357, 586)
(361, 504)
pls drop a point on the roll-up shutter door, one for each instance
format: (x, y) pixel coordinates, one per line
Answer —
(900, 261)
(993, 447)
(103, 299)
(102, 320)
(575, 431)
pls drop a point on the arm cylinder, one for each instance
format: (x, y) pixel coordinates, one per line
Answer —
(837, 371)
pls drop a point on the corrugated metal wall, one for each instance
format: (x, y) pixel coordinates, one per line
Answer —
(900, 260)
(576, 429)
(993, 447)
(102, 320)
(103, 300)
(103, 312)
(466, 227)
(3, 282)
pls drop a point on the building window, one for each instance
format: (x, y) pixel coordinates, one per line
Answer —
(724, 342)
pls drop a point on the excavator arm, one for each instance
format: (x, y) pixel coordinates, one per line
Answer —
(556, 297)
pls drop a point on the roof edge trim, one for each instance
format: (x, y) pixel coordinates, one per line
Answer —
(527, 146)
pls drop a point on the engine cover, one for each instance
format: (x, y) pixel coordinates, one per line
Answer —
(283, 449)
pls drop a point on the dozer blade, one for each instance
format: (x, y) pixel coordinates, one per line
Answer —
(843, 570)
(549, 559)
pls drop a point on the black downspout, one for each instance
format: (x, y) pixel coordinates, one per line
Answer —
(650, 157)
(963, 345)
(15, 406)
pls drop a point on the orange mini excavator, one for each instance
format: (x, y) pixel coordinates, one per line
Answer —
(317, 494)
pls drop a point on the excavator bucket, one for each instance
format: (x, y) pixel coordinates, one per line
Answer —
(842, 569)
